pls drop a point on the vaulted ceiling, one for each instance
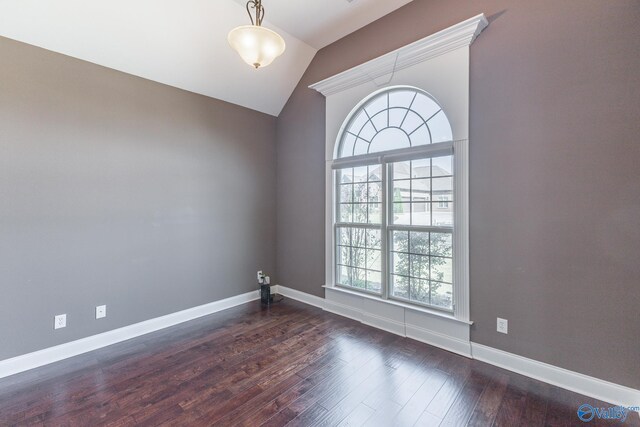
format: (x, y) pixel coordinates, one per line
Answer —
(184, 43)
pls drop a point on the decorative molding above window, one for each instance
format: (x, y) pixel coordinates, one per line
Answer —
(447, 40)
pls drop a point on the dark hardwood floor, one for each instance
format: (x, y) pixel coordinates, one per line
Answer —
(289, 365)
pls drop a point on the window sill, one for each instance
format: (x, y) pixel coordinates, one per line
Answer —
(406, 306)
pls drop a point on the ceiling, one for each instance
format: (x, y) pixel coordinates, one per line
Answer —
(184, 43)
(320, 23)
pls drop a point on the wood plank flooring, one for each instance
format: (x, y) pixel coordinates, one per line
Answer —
(290, 365)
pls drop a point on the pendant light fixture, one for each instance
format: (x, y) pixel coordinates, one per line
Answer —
(256, 45)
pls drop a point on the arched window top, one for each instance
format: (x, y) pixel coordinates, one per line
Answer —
(400, 117)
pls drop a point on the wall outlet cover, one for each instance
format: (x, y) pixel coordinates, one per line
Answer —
(503, 326)
(101, 311)
(60, 321)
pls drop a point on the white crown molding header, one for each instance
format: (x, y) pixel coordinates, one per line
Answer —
(454, 37)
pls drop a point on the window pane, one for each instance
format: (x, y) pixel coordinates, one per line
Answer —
(420, 266)
(360, 174)
(375, 192)
(401, 241)
(389, 139)
(420, 168)
(421, 190)
(442, 269)
(440, 128)
(420, 136)
(402, 213)
(361, 147)
(345, 176)
(419, 243)
(442, 295)
(360, 193)
(402, 191)
(421, 214)
(400, 286)
(425, 106)
(442, 185)
(402, 98)
(419, 290)
(348, 141)
(375, 213)
(346, 193)
(442, 216)
(375, 173)
(402, 170)
(360, 213)
(442, 244)
(442, 166)
(345, 213)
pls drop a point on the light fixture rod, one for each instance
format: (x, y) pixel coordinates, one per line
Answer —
(257, 5)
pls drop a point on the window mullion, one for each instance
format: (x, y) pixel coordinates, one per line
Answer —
(336, 216)
(387, 203)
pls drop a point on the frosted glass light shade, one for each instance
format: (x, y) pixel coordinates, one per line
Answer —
(257, 46)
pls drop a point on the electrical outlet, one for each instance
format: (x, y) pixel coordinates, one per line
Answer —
(503, 326)
(101, 311)
(60, 321)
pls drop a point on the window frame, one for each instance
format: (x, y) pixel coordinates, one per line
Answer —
(386, 159)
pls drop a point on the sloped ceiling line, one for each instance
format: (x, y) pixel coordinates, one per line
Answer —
(184, 44)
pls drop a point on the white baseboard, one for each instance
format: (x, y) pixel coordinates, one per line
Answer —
(343, 310)
(384, 323)
(450, 337)
(64, 351)
(570, 380)
(436, 339)
(579, 383)
(300, 296)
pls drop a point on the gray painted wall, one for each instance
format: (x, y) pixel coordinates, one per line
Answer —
(555, 176)
(120, 191)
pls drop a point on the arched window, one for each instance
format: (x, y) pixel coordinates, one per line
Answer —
(394, 213)
(393, 119)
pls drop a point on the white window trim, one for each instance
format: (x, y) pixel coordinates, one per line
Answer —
(456, 38)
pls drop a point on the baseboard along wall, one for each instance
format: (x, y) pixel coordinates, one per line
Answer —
(574, 381)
